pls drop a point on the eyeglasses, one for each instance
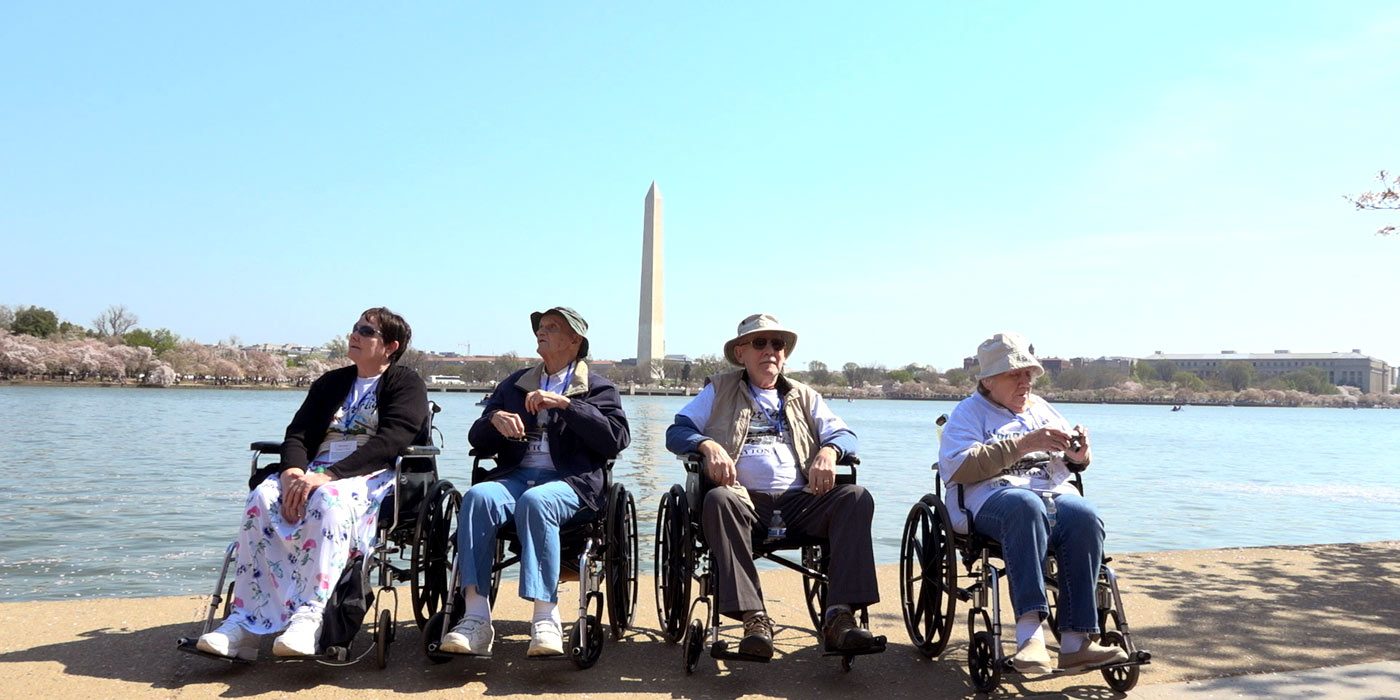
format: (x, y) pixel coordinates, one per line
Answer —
(762, 343)
(364, 330)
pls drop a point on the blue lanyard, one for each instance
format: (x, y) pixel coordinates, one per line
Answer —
(775, 420)
(568, 377)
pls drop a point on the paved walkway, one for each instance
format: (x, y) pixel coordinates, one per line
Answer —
(1288, 622)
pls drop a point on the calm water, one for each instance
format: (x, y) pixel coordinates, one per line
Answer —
(130, 492)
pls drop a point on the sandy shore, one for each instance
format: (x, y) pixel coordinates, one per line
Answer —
(1204, 614)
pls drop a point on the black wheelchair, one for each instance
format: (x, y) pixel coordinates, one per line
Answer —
(929, 592)
(682, 558)
(413, 543)
(596, 548)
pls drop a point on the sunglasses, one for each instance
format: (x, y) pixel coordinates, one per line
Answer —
(762, 343)
(364, 330)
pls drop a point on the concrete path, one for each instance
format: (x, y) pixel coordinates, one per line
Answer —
(1316, 621)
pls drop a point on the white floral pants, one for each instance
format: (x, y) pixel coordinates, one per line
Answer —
(283, 567)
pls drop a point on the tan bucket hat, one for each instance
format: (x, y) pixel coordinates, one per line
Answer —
(1005, 352)
(759, 323)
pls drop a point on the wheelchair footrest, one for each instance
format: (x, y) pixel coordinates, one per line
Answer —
(720, 650)
(1141, 658)
(189, 646)
(877, 646)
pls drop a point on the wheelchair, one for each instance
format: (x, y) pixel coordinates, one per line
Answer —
(597, 549)
(413, 543)
(682, 559)
(929, 592)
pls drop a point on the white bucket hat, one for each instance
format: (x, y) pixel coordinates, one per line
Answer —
(759, 323)
(1005, 352)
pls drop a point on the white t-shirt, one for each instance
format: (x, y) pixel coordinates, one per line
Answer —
(537, 450)
(353, 424)
(976, 420)
(767, 461)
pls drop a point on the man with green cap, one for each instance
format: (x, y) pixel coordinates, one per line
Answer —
(553, 427)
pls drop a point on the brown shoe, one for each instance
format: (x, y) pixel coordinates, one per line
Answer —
(758, 636)
(841, 633)
(1090, 655)
(1032, 657)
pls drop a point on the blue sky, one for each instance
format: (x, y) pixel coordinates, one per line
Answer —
(895, 181)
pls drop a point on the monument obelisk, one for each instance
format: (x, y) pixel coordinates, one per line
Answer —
(651, 329)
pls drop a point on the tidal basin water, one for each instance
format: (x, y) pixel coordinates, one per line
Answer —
(136, 492)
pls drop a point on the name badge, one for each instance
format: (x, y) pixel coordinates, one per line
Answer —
(340, 449)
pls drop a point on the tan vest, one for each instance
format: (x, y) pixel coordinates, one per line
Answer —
(733, 410)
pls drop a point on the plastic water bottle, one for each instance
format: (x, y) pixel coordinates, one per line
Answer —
(1049, 507)
(777, 529)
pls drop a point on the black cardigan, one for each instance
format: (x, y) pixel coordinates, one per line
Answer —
(403, 416)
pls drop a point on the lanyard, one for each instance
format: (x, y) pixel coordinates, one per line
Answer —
(775, 420)
(568, 377)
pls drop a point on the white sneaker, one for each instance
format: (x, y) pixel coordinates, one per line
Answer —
(472, 635)
(230, 640)
(303, 631)
(546, 639)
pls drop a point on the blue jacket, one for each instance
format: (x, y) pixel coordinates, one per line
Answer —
(582, 437)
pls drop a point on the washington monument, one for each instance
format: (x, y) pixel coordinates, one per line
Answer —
(651, 323)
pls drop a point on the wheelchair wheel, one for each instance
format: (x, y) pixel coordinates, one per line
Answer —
(383, 635)
(434, 551)
(496, 560)
(928, 576)
(982, 663)
(586, 642)
(815, 557)
(620, 569)
(1119, 678)
(693, 645)
(432, 635)
(674, 562)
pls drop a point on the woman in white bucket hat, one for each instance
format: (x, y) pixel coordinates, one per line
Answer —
(1009, 453)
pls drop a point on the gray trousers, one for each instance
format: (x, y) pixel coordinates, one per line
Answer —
(842, 516)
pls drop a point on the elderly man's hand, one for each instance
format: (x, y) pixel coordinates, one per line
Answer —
(1081, 455)
(297, 487)
(821, 474)
(508, 424)
(540, 399)
(719, 467)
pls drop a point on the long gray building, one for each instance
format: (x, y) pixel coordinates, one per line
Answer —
(1353, 368)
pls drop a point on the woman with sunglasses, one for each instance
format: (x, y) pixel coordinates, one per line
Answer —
(321, 501)
(770, 444)
(552, 427)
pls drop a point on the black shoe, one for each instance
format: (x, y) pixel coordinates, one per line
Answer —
(841, 633)
(758, 636)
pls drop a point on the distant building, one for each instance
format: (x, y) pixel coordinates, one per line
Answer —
(1121, 364)
(1367, 373)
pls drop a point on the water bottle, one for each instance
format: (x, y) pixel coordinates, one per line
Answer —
(777, 529)
(1049, 508)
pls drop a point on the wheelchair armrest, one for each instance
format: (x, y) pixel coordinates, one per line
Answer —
(267, 447)
(421, 451)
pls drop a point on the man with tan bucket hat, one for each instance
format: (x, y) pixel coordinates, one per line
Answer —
(770, 446)
(1009, 455)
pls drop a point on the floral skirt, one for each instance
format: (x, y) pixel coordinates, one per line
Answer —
(281, 567)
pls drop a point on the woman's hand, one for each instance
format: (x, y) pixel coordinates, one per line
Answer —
(296, 491)
(508, 424)
(540, 399)
(1042, 440)
(719, 467)
(821, 474)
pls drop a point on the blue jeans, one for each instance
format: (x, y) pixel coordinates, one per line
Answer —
(1016, 518)
(538, 502)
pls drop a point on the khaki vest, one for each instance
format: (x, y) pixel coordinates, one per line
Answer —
(733, 410)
